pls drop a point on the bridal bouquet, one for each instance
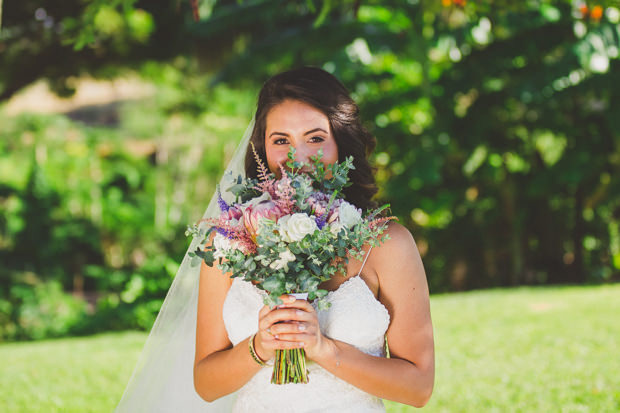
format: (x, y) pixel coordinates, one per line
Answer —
(288, 236)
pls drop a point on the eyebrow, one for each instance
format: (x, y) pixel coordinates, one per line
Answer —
(307, 133)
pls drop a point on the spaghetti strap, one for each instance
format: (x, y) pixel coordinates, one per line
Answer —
(367, 254)
(364, 263)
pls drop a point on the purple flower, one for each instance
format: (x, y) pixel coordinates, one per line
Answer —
(220, 201)
(320, 221)
(223, 232)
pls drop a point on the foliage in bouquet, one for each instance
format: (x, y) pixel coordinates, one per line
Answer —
(292, 234)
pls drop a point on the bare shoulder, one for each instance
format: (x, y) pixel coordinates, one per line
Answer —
(400, 239)
(400, 246)
(398, 266)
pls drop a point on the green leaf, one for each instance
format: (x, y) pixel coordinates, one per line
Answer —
(273, 284)
(315, 268)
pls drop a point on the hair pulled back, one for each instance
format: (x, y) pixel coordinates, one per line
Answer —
(324, 92)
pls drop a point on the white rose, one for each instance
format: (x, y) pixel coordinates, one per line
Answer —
(295, 227)
(348, 215)
(285, 257)
(282, 222)
(335, 227)
(222, 245)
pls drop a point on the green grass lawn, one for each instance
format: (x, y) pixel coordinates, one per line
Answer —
(519, 350)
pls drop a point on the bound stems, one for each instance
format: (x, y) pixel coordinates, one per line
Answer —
(290, 367)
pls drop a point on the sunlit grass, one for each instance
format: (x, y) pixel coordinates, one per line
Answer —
(86, 374)
(521, 350)
(527, 350)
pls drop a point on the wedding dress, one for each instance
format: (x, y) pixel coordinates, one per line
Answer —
(162, 381)
(355, 317)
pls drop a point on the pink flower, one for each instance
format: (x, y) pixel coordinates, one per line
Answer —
(333, 215)
(232, 213)
(334, 212)
(318, 209)
(318, 202)
(253, 214)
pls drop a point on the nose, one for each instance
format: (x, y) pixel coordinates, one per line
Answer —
(303, 154)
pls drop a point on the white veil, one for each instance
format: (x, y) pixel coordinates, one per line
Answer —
(163, 379)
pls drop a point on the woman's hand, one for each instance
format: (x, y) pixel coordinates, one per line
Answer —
(293, 324)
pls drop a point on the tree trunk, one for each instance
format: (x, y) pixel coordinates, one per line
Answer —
(78, 275)
(577, 274)
(514, 228)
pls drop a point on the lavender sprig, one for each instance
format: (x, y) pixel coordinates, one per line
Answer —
(224, 207)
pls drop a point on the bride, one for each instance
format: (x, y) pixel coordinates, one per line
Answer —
(382, 299)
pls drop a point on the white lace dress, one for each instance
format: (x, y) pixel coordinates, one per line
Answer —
(354, 317)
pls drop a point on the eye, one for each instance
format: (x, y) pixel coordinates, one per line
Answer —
(280, 141)
(317, 139)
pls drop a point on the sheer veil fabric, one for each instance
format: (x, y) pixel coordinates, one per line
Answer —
(163, 380)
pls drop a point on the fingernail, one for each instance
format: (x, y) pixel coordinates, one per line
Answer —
(276, 336)
(299, 312)
(301, 327)
(301, 343)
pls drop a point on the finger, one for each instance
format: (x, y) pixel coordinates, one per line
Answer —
(276, 343)
(262, 323)
(287, 345)
(284, 315)
(297, 337)
(299, 304)
(287, 299)
(289, 314)
(291, 327)
(264, 310)
(267, 342)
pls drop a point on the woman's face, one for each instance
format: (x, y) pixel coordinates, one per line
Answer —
(295, 123)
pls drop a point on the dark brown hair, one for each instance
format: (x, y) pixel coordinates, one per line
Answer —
(324, 92)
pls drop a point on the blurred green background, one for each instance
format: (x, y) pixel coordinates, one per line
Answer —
(498, 129)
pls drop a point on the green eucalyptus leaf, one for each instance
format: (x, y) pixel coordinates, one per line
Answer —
(273, 284)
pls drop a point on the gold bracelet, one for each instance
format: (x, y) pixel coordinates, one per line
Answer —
(253, 352)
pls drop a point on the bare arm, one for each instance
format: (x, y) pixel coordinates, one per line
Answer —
(219, 368)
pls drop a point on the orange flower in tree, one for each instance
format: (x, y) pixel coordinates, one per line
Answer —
(460, 3)
(446, 3)
(584, 11)
(194, 6)
(596, 13)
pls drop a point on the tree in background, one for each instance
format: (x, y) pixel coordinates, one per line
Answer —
(495, 122)
(497, 141)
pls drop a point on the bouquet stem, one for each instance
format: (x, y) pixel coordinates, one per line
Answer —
(290, 367)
